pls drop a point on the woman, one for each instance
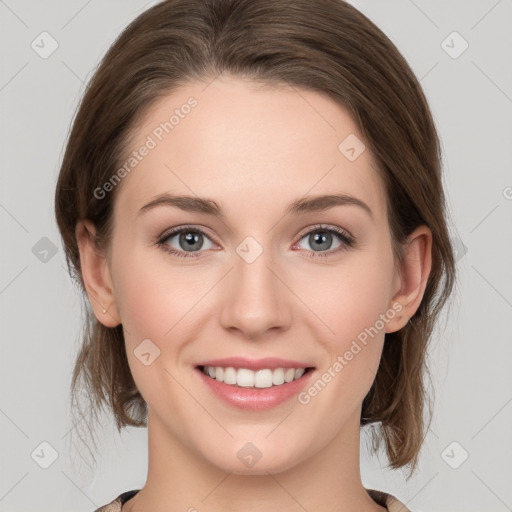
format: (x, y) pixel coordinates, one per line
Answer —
(219, 145)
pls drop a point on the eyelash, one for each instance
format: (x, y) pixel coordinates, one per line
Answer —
(346, 240)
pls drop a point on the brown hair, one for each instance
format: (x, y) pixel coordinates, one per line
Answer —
(326, 46)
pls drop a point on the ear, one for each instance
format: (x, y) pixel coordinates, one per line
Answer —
(411, 277)
(96, 275)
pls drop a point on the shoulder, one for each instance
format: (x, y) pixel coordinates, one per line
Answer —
(391, 503)
(382, 498)
(116, 504)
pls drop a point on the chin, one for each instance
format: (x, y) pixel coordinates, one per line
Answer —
(247, 459)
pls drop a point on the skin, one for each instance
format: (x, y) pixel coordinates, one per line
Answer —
(254, 149)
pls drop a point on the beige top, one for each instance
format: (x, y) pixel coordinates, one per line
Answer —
(382, 498)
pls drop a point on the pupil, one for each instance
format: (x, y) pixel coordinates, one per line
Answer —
(321, 237)
(189, 240)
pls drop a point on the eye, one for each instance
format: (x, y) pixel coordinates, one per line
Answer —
(320, 239)
(187, 240)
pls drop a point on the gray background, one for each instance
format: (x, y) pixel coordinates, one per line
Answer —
(471, 99)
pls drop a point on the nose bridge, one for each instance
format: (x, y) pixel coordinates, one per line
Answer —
(255, 300)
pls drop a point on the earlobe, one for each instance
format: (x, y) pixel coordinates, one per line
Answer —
(412, 277)
(96, 275)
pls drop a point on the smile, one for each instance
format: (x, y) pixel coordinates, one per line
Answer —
(254, 384)
(244, 377)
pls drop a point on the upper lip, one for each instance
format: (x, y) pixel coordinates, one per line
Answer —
(255, 364)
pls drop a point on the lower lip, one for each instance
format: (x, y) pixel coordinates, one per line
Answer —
(255, 399)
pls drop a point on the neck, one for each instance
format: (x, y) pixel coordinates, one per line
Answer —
(180, 479)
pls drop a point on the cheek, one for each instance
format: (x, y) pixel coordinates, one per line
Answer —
(153, 305)
(161, 303)
(152, 296)
(353, 306)
(360, 302)
(141, 305)
(351, 298)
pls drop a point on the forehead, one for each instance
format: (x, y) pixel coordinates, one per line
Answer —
(247, 144)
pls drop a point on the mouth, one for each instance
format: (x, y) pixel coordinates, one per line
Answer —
(254, 385)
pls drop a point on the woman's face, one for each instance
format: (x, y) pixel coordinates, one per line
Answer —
(260, 280)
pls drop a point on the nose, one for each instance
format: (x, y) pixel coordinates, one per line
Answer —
(255, 298)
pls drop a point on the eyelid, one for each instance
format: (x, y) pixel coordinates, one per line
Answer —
(177, 229)
(326, 227)
(168, 233)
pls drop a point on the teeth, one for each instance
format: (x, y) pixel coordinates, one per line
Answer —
(278, 376)
(289, 375)
(246, 378)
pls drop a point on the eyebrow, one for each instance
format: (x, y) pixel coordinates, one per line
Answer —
(209, 206)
